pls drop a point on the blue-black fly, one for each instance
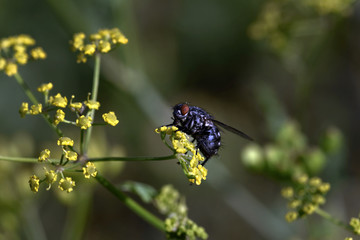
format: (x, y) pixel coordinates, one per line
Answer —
(199, 124)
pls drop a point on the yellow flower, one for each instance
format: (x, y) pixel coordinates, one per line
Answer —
(36, 109)
(34, 183)
(104, 46)
(44, 155)
(11, 69)
(24, 39)
(91, 104)
(117, 36)
(287, 192)
(309, 208)
(45, 87)
(66, 184)
(84, 122)
(24, 109)
(38, 53)
(89, 49)
(81, 58)
(59, 117)
(58, 101)
(291, 216)
(65, 141)
(75, 105)
(78, 41)
(21, 57)
(324, 187)
(50, 177)
(110, 118)
(71, 155)
(2, 63)
(89, 170)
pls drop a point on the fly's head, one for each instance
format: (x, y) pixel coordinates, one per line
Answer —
(180, 112)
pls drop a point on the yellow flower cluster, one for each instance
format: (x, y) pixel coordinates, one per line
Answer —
(65, 183)
(355, 224)
(278, 21)
(186, 152)
(305, 197)
(84, 121)
(14, 51)
(101, 42)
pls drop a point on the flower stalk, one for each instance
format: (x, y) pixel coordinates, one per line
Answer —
(130, 203)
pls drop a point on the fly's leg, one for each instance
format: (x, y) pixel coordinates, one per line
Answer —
(203, 163)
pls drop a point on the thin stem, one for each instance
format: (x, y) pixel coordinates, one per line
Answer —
(130, 203)
(131, 159)
(19, 159)
(335, 221)
(34, 101)
(95, 89)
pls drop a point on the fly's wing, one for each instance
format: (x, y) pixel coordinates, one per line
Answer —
(233, 130)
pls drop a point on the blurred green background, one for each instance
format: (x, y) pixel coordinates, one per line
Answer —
(252, 64)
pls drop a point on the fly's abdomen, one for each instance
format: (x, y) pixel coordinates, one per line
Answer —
(209, 141)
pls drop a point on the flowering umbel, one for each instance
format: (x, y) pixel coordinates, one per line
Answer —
(305, 196)
(186, 152)
(101, 42)
(16, 50)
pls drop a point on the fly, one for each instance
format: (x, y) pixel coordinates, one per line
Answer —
(199, 124)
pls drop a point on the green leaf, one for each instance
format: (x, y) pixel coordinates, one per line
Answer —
(144, 191)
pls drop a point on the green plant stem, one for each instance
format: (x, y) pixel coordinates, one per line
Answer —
(131, 159)
(335, 221)
(94, 93)
(130, 203)
(19, 159)
(34, 101)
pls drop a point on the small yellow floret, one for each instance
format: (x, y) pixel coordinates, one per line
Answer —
(66, 184)
(110, 118)
(45, 87)
(38, 53)
(71, 155)
(24, 109)
(11, 69)
(36, 109)
(65, 141)
(59, 117)
(58, 101)
(50, 177)
(84, 122)
(291, 216)
(44, 155)
(91, 104)
(34, 183)
(89, 170)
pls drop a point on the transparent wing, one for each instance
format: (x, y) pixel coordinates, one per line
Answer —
(233, 130)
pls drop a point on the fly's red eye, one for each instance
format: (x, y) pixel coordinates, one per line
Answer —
(184, 109)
